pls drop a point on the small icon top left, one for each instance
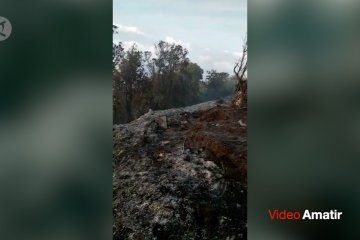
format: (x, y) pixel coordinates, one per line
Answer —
(5, 28)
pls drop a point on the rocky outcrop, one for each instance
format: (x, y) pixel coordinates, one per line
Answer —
(181, 174)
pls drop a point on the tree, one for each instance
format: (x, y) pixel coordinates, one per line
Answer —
(118, 56)
(169, 60)
(216, 79)
(129, 77)
(186, 85)
(240, 71)
(215, 84)
(132, 74)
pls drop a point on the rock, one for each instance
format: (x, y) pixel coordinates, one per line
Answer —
(241, 123)
(162, 121)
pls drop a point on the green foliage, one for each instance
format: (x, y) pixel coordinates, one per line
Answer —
(164, 80)
(128, 79)
(218, 84)
(118, 54)
(170, 62)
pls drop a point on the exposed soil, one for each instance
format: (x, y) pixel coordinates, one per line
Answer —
(181, 174)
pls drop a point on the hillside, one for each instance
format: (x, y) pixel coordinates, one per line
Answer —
(181, 174)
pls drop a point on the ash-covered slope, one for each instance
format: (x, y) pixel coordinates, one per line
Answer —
(181, 174)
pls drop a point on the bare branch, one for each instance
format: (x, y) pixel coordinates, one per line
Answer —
(240, 70)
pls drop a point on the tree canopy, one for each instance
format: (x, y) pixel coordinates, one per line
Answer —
(164, 79)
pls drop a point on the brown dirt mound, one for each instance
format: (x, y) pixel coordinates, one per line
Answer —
(181, 174)
(219, 133)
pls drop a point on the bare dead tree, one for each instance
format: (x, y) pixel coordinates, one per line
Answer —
(240, 71)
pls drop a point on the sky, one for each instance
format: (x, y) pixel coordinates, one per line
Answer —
(212, 30)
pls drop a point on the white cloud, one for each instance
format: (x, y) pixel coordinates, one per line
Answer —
(129, 29)
(178, 42)
(205, 58)
(142, 47)
(236, 54)
(224, 66)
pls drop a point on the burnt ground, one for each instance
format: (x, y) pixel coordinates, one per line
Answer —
(181, 174)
